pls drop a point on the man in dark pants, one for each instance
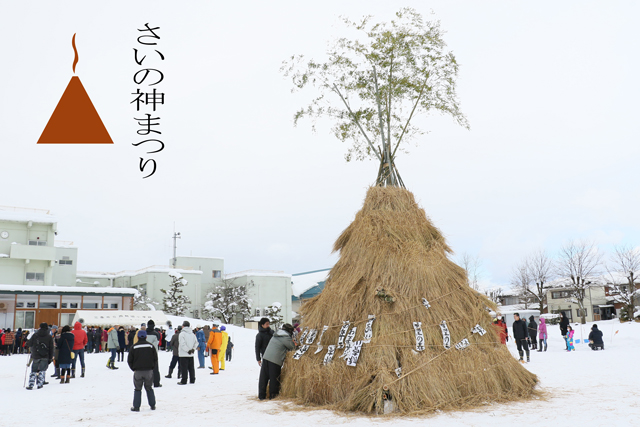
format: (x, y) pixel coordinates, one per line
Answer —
(564, 326)
(520, 335)
(143, 359)
(272, 361)
(187, 347)
(41, 345)
(173, 346)
(262, 338)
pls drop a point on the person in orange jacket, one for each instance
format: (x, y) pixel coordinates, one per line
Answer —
(213, 346)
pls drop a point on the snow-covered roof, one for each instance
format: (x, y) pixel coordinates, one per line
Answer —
(12, 213)
(262, 273)
(119, 317)
(130, 273)
(65, 290)
(200, 257)
(302, 282)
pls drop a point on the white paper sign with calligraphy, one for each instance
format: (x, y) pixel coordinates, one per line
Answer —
(368, 329)
(304, 334)
(446, 336)
(354, 354)
(478, 330)
(312, 336)
(399, 372)
(343, 333)
(324, 329)
(302, 350)
(417, 326)
(348, 342)
(426, 303)
(329, 356)
(463, 344)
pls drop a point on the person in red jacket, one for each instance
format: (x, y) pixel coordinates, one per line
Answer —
(80, 341)
(501, 329)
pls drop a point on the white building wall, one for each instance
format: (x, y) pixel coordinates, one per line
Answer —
(64, 274)
(268, 289)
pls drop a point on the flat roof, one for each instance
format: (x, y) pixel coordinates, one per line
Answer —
(66, 290)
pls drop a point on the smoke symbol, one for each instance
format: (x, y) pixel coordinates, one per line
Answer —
(75, 60)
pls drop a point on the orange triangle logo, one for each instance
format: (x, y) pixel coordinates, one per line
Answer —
(75, 119)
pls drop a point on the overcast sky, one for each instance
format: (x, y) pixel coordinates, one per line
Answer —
(550, 90)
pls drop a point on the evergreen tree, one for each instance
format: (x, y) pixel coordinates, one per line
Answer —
(274, 313)
(173, 301)
(228, 300)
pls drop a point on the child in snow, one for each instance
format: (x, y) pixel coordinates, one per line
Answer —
(542, 328)
(570, 346)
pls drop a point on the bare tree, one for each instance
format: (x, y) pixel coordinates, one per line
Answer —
(521, 282)
(495, 294)
(578, 265)
(541, 271)
(625, 263)
(472, 266)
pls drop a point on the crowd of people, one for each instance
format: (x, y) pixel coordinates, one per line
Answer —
(13, 342)
(533, 336)
(63, 347)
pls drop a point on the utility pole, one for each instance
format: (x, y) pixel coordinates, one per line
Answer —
(175, 244)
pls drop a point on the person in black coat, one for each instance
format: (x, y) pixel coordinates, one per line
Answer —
(564, 325)
(521, 335)
(533, 332)
(65, 347)
(595, 338)
(41, 345)
(143, 360)
(262, 338)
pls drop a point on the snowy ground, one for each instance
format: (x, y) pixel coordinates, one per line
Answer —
(582, 388)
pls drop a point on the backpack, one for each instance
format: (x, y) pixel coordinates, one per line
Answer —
(42, 349)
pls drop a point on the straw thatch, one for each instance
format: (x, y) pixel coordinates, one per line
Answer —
(392, 246)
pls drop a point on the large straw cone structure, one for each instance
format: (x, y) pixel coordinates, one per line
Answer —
(392, 245)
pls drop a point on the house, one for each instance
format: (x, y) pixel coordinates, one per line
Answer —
(595, 302)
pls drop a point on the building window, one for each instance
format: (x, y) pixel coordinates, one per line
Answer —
(105, 305)
(63, 305)
(114, 305)
(217, 274)
(65, 262)
(48, 304)
(560, 294)
(37, 243)
(25, 319)
(19, 305)
(73, 305)
(31, 305)
(66, 319)
(90, 305)
(35, 277)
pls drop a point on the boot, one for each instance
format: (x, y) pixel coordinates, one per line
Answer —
(82, 374)
(56, 373)
(113, 366)
(545, 346)
(61, 379)
(170, 372)
(32, 380)
(521, 354)
(528, 360)
(67, 379)
(109, 363)
(73, 373)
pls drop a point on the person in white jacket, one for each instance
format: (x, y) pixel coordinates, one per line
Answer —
(187, 345)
